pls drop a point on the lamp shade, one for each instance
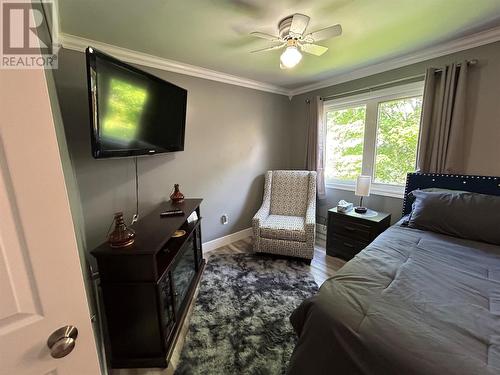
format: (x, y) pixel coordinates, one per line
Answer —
(363, 184)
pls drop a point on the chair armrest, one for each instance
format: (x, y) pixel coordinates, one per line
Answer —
(311, 214)
(261, 214)
(310, 222)
(265, 209)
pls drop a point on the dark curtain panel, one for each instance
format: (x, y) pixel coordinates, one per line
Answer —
(442, 141)
(316, 138)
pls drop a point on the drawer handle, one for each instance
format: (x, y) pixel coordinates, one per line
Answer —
(350, 229)
(347, 244)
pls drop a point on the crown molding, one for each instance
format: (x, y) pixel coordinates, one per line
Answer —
(456, 45)
(77, 43)
(471, 41)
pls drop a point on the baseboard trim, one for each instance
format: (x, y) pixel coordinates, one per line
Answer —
(226, 240)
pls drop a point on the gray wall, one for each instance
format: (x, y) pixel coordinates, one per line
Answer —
(233, 135)
(483, 120)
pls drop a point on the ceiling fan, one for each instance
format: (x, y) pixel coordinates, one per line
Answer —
(292, 36)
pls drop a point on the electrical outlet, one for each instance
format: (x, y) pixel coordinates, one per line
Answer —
(224, 219)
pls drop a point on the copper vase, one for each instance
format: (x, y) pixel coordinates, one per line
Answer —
(176, 196)
(121, 236)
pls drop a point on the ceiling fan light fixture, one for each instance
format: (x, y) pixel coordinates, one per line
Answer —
(292, 36)
(290, 57)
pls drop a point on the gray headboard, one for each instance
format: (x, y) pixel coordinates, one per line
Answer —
(476, 184)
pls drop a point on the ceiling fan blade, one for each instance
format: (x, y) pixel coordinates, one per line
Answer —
(314, 49)
(299, 24)
(326, 33)
(270, 48)
(270, 37)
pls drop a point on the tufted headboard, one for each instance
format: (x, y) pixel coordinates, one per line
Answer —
(477, 184)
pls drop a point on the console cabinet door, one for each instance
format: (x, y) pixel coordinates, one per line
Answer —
(183, 273)
(198, 249)
(166, 304)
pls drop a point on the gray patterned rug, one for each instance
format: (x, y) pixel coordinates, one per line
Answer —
(240, 321)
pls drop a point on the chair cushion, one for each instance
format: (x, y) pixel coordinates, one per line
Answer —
(289, 193)
(284, 228)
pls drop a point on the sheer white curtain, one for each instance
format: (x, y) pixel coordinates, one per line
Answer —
(442, 140)
(316, 135)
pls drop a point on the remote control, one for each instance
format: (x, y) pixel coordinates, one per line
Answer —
(172, 213)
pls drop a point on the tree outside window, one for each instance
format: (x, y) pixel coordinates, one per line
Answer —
(374, 133)
(344, 142)
(397, 139)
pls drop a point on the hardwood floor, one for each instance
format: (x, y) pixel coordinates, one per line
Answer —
(322, 267)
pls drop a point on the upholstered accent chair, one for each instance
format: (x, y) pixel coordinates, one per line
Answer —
(286, 222)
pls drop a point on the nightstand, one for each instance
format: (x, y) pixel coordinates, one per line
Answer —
(349, 233)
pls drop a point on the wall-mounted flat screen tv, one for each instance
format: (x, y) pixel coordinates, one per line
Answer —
(132, 112)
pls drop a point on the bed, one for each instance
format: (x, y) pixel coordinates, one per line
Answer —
(412, 302)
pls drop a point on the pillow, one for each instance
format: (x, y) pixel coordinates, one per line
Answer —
(440, 190)
(466, 215)
(406, 219)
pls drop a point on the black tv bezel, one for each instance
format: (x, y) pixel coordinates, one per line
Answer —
(97, 152)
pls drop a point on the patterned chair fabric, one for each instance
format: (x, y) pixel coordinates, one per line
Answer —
(284, 227)
(286, 222)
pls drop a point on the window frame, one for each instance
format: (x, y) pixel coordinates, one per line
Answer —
(371, 100)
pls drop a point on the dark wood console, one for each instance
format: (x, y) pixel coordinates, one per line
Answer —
(146, 287)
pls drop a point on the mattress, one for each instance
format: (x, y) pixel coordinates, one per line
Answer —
(412, 302)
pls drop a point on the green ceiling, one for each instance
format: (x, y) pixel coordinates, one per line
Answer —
(214, 33)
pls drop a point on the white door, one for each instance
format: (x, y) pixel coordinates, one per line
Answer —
(41, 282)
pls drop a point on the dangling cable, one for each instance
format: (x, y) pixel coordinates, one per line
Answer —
(136, 216)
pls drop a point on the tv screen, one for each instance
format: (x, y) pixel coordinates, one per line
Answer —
(132, 112)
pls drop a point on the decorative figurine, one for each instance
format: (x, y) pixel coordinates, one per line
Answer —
(121, 236)
(176, 196)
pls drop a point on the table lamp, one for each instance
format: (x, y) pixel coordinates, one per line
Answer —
(363, 184)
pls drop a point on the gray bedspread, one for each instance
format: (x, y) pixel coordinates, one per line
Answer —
(412, 302)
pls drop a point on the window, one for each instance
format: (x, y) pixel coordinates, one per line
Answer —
(374, 134)
(344, 140)
(397, 139)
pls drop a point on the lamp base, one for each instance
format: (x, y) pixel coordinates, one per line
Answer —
(360, 210)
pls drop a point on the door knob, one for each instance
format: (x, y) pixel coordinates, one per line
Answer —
(62, 341)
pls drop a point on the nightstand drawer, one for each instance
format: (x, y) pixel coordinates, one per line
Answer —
(344, 246)
(351, 229)
(348, 233)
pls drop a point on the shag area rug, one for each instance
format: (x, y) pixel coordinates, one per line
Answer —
(240, 321)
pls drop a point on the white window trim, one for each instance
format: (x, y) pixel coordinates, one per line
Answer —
(371, 100)
(387, 190)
